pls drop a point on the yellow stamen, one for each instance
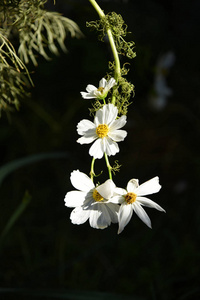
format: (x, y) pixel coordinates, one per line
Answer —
(100, 89)
(97, 197)
(130, 198)
(102, 130)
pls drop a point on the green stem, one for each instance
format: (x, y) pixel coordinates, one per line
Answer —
(117, 72)
(92, 169)
(108, 166)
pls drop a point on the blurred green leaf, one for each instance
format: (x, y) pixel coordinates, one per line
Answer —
(20, 209)
(18, 163)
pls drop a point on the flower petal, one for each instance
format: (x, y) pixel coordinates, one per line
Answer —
(132, 185)
(91, 88)
(79, 215)
(104, 220)
(119, 123)
(149, 187)
(97, 149)
(87, 95)
(113, 210)
(102, 82)
(117, 135)
(94, 216)
(149, 203)
(81, 181)
(84, 125)
(111, 83)
(86, 140)
(141, 213)
(106, 189)
(109, 113)
(74, 198)
(116, 199)
(125, 214)
(111, 147)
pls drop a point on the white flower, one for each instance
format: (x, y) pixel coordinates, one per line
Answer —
(104, 131)
(101, 92)
(132, 199)
(91, 202)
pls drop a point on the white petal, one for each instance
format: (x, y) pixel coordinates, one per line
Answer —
(79, 215)
(104, 220)
(97, 149)
(91, 88)
(106, 115)
(149, 187)
(109, 113)
(132, 185)
(116, 200)
(119, 123)
(94, 216)
(75, 198)
(111, 83)
(81, 181)
(84, 125)
(87, 95)
(149, 203)
(98, 119)
(86, 140)
(111, 147)
(113, 210)
(120, 191)
(117, 135)
(106, 189)
(141, 213)
(102, 82)
(125, 214)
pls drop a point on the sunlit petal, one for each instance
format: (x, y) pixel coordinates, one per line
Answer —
(125, 214)
(81, 181)
(149, 203)
(132, 185)
(79, 215)
(75, 198)
(149, 187)
(141, 213)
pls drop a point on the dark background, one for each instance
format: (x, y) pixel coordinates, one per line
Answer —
(43, 251)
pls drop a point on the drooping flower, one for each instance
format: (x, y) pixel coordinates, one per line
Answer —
(132, 199)
(104, 131)
(91, 202)
(100, 92)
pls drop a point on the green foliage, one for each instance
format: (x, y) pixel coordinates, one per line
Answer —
(124, 89)
(37, 31)
(119, 30)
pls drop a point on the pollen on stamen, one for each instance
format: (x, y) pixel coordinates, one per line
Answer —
(102, 130)
(130, 198)
(97, 197)
(100, 89)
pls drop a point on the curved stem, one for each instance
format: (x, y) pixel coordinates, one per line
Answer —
(92, 169)
(117, 73)
(108, 166)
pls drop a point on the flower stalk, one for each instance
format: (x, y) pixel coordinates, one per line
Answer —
(117, 71)
(108, 166)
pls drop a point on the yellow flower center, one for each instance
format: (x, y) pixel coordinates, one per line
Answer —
(100, 89)
(130, 198)
(97, 197)
(102, 130)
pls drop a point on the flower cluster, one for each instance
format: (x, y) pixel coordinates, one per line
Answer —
(103, 204)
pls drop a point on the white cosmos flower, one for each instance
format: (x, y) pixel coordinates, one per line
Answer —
(132, 199)
(100, 92)
(91, 202)
(104, 131)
